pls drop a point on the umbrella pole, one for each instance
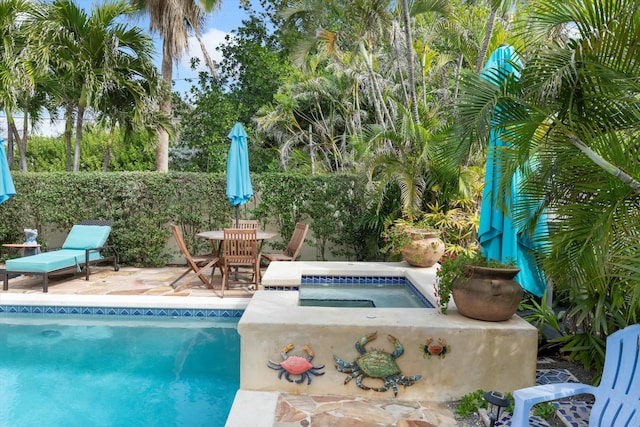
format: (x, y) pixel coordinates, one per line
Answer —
(237, 222)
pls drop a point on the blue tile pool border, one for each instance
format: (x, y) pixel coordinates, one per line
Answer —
(136, 312)
(358, 281)
(354, 280)
(423, 299)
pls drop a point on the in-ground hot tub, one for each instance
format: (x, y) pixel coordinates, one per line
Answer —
(360, 291)
(480, 355)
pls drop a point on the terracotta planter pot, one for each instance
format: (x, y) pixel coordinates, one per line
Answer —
(488, 294)
(425, 249)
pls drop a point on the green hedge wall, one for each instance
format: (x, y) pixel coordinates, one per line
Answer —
(141, 204)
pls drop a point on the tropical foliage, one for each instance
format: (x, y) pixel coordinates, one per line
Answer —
(385, 89)
(59, 57)
(572, 122)
(173, 20)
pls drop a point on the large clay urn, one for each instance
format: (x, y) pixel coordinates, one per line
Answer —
(485, 293)
(425, 249)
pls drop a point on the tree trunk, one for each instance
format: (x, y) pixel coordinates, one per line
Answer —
(311, 151)
(76, 154)
(604, 164)
(410, 62)
(22, 147)
(457, 77)
(487, 38)
(107, 158)
(68, 132)
(379, 103)
(23, 143)
(10, 145)
(356, 119)
(396, 53)
(376, 103)
(162, 150)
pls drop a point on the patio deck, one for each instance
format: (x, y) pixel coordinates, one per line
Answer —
(127, 281)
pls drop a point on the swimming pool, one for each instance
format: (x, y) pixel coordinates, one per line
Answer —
(360, 291)
(88, 371)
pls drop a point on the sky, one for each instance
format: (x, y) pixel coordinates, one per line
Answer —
(219, 23)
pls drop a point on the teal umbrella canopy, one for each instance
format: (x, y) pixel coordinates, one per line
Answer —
(239, 189)
(7, 189)
(500, 238)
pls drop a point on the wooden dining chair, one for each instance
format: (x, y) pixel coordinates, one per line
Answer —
(197, 264)
(240, 249)
(245, 224)
(292, 250)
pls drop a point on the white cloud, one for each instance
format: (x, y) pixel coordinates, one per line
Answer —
(211, 39)
(46, 128)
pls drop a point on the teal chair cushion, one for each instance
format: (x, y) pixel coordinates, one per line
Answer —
(87, 236)
(50, 261)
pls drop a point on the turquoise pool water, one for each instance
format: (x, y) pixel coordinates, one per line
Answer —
(117, 372)
(364, 291)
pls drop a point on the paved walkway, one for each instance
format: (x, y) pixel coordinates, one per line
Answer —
(292, 410)
(127, 281)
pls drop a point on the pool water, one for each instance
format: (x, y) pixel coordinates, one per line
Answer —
(78, 372)
(381, 292)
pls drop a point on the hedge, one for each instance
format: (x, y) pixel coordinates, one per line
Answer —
(140, 206)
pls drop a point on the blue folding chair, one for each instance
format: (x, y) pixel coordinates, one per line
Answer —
(617, 398)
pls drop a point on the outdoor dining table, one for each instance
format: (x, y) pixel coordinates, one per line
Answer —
(216, 238)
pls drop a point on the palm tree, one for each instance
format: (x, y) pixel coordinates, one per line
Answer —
(93, 55)
(572, 123)
(408, 11)
(411, 80)
(21, 72)
(364, 27)
(173, 20)
(130, 104)
(315, 125)
(494, 5)
(404, 157)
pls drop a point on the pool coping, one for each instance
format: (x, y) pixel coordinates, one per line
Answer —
(122, 305)
(282, 275)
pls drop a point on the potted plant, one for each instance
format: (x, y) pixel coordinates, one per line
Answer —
(482, 289)
(417, 243)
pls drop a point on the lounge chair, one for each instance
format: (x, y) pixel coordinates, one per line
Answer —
(84, 246)
(617, 398)
(196, 263)
(292, 250)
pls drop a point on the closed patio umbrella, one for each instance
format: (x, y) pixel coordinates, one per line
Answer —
(499, 236)
(7, 189)
(239, 189)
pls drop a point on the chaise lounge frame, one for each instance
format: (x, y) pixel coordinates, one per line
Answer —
(69, 256)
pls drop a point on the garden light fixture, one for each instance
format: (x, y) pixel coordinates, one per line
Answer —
(497, 402)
